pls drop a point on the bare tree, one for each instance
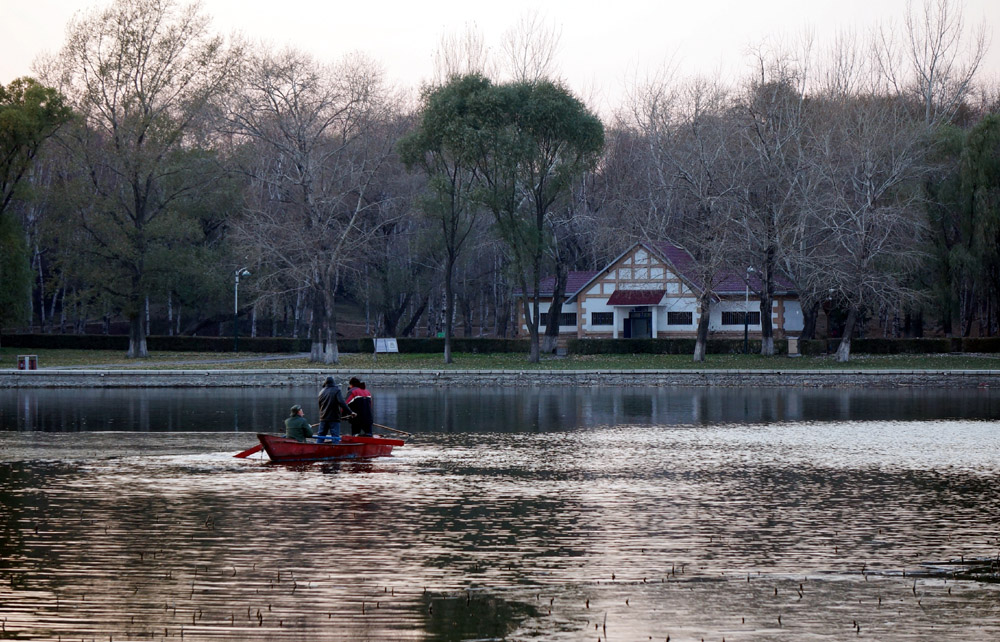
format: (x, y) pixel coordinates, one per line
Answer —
(462, 54)
(689, 193)
(867, 154)
(316, 138)
(771, 115)
(935, 58)
(529, 49)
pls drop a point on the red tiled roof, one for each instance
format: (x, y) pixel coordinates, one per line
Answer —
(574, 281)
(636, 297)
(726, 282)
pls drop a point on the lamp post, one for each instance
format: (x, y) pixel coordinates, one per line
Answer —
(746, 315)
(236, 308)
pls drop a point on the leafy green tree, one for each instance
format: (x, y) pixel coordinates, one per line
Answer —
(963, 210)
(15, 272)
(443, 147)
(980, 193)
(534, 140)
(30, 113)
(143, 75)
(950, 239)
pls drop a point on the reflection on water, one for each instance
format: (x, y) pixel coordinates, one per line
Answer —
(632, 529)
(479, 409)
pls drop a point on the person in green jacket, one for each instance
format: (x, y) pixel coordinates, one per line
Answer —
(296, 426)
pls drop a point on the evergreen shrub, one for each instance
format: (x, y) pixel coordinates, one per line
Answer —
(666, 346)
(981, 344)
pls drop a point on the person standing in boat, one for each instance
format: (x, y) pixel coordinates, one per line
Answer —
(360, 402)
(296, 426)
(331, 407)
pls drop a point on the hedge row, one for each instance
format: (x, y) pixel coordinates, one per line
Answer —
(666, 346)
(249, 344)
(487, 346)
(153, 342)
(902, 346)
(473, 345)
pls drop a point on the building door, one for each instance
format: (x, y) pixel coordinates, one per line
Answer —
(642, 323)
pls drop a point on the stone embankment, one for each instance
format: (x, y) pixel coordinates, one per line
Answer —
(55, 378)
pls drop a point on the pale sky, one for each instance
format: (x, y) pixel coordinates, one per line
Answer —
(604, 46)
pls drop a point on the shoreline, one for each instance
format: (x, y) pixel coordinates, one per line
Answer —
(105, 378)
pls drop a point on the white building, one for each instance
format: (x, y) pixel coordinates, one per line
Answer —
(650, 291)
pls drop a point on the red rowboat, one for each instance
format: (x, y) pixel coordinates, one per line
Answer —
(284, 449)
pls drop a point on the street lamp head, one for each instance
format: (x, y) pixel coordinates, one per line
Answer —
(245, 273)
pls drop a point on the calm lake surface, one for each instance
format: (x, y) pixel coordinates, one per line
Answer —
(563, 514)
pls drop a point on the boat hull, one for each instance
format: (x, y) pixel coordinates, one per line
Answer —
(284, 449)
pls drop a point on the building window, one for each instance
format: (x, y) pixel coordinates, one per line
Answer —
(737, 318)
(566, 318)
(602, 318)
(680, 318)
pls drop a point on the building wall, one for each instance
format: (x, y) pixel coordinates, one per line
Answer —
(637, 270)
(786, 315)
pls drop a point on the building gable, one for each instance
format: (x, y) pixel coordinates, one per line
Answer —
(638, 269)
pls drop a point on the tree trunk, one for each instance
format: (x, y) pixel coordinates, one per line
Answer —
(415, 319)
(532, 322)
(766, 326)
(41, 292)
(810, 314)
(52, 310)
(137, 337)
(844, 349)
(467, 316)
(170, 313)
(502, 318)
(316, 327)
(392, 316)
(701, 342)
(331, 352)
(555, 310)
(62, 312)
(449, 308)
(297, 315)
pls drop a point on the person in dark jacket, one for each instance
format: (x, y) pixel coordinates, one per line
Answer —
(296, 426)
(331, 407)
(360, 402)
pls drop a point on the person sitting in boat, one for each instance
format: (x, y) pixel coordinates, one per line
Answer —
(296, 426)
(331, 406)
(360, 402)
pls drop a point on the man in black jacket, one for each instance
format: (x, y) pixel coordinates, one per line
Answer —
(331, 403)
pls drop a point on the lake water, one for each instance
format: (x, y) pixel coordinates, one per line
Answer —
(565, 514)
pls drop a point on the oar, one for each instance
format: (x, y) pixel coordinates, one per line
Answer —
(402, 432)
(256, 449)
(249, 451)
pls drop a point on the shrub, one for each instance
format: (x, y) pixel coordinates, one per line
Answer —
(665, 346)
(981, 344)
(66, 341)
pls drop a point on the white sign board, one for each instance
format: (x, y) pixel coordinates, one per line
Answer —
(386, 345)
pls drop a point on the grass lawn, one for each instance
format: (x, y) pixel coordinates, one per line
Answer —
(467, 361)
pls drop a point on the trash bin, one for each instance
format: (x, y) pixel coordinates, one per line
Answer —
(27, 362)
(793, 347)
